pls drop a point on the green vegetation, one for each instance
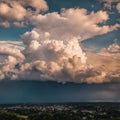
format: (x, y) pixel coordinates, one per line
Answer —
(11, 116)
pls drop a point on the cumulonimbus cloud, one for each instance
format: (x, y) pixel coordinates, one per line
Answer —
(53, 52)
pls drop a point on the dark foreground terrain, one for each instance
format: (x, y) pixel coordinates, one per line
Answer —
(71, 111)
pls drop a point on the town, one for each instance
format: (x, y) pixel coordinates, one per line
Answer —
(61, 111)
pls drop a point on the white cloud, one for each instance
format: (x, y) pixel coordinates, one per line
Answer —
(19, 24)
(57, 65)
(118, 7)
(4, 23)
(109, 4)
(72, 23)
(37, 4)
(9, 57)
(113, 49)
(106, 64)
(11, 44)
(16, 10)
(12, 52)
(53, 52)
(41, 47)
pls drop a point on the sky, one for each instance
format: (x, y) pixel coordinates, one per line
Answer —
(67, 42)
